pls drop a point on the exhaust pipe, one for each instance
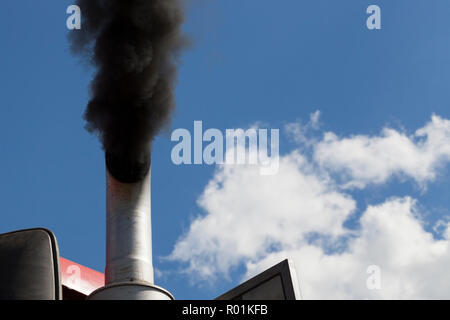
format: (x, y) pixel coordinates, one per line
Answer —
(128, 231)
(129, 269)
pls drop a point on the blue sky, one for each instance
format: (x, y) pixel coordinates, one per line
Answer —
(252, 61)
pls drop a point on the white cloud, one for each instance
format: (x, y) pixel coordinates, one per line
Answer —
(314, 119)
(257, 221)
(300, 132)
(413, 265)
(249, 214)
(362, 160)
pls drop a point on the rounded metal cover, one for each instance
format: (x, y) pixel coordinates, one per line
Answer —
(29, 266)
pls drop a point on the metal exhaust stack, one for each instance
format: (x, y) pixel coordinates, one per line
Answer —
(129, 268)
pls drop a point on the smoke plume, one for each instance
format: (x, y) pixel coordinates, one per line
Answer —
(134, 45)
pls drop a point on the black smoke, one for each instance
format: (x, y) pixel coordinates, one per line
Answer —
(134, 45)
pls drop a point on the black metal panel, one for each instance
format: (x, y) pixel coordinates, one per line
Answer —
(276, 283)
(29, 266)
(70, 294)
